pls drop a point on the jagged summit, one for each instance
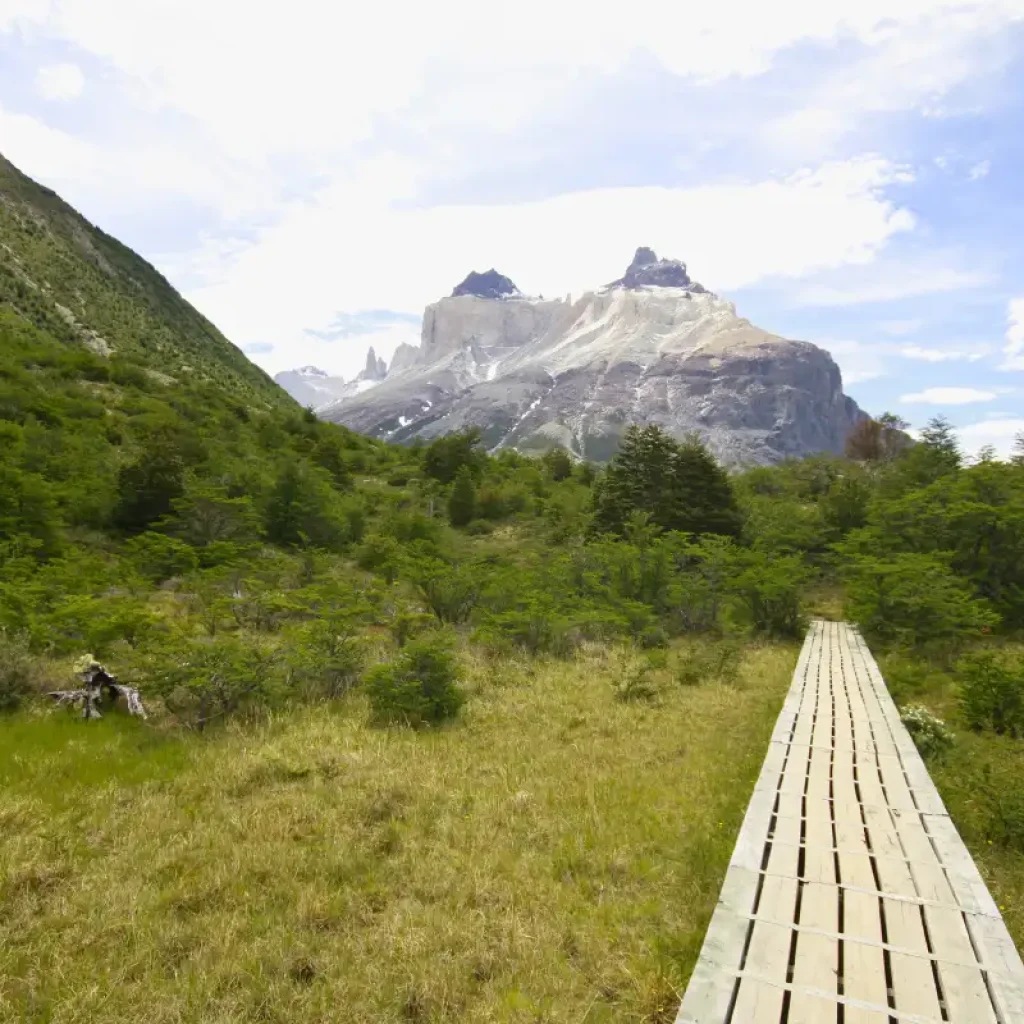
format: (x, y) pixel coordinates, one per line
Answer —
(647, 271)
(376, 369)
(489, 285)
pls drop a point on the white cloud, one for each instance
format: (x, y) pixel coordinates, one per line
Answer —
(949, 396)
(857, 361)
(1014, 348)
(261, 79)
(999, 433)
(901, 327)
(364, 251)
(887, 282)
(60, 81)
(980, 170)
(927, 354)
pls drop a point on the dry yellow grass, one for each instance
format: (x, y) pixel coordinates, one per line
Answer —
(553, 856)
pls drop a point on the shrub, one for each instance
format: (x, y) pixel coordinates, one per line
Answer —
(327, 661)
(912, 599)
(17, 671)
(451, 592)
(709, 660)
(992, 692)
(209, 680)
(158, 557)
(769, 589)
(929, 733)
(420, 687)
(631, 677)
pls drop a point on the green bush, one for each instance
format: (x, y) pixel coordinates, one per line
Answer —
(420, 687)
(158, 557)
(17, 671)
(707, 660)
(768, 588)
(631, 677)
(326, 659)
(204, 681)
(451, 592)
(912, 599)
(992, 691)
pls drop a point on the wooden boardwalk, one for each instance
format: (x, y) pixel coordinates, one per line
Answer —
(850, 896)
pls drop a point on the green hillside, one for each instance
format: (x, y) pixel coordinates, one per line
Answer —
(433, 735)
(67, 277)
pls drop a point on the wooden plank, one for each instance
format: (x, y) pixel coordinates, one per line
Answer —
(966, 997)
(864, 973)
(777, 902)
(757, 1002)
(912, 979)
(768, 953)
(861, 917)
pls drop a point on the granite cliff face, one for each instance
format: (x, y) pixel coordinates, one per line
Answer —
(652, 347)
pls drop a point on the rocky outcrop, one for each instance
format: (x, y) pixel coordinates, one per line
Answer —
(489, 285)
(647, 271)
(532, 373)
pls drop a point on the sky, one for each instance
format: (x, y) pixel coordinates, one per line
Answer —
(310, 175)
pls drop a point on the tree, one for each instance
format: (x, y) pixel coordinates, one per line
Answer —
(446, 455)
(148, 487)
(679, 486)
(558, 464)
(462, 501)
(877, 440)
(299, 510)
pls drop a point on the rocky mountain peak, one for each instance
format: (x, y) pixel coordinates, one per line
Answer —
(376, 368)
(489, 285)
(648, 271)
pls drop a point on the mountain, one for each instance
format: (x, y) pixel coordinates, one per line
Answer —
(654, 347)
(81, 286)
(311, 386)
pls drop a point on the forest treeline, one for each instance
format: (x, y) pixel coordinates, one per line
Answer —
(228, 556)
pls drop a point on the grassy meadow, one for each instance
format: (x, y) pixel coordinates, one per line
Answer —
(553, 857)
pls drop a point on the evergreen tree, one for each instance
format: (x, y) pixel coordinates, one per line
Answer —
(679, 486)
(558, 464)
(462, 502)
(299, 509)
(148, 487)
(445, 456)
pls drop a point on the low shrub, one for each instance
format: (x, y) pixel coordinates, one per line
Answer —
(631, 677)
(712, 660)
(992, 691)
(327, 661)
(420, 687)
(17, 671)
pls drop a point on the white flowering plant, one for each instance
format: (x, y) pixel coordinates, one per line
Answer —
(929, 732)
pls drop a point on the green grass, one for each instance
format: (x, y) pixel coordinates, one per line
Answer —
(980, 779)
(554, 855)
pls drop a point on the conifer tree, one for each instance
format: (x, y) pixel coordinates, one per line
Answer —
(462, 502)
(679, 486)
